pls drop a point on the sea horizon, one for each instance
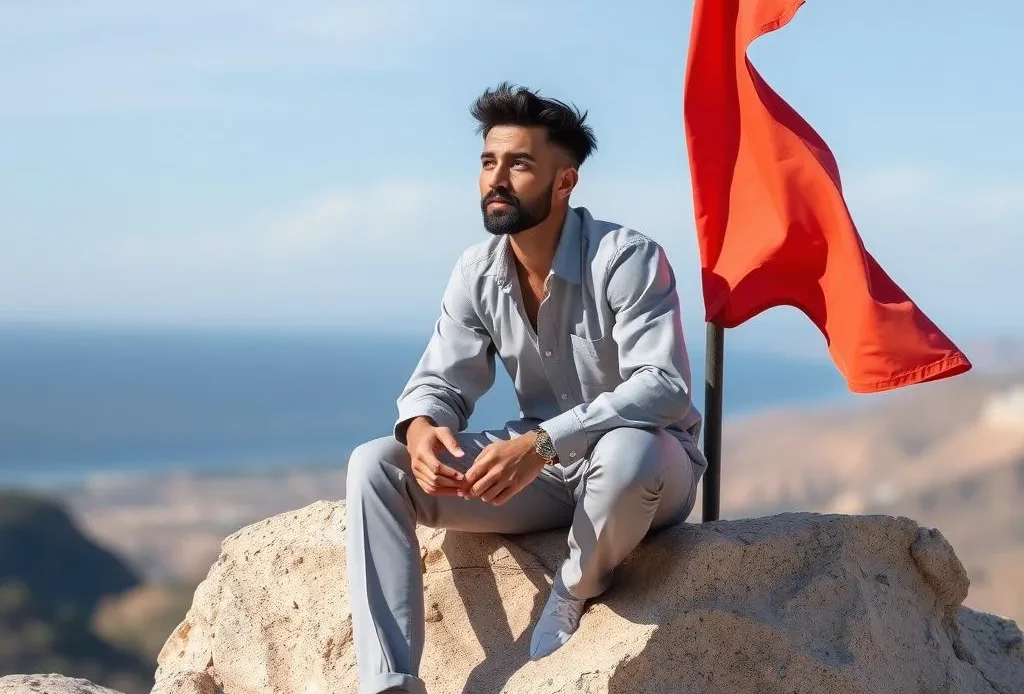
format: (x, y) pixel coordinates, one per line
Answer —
(81, 401)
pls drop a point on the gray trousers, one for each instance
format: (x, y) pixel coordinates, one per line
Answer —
(634, 480)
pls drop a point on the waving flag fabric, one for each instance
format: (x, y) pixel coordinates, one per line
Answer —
(772, 225)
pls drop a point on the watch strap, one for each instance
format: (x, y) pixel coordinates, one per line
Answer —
(544, 446)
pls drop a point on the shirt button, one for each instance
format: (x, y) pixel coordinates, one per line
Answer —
(572, 454)
(548, 353)
(564, 396)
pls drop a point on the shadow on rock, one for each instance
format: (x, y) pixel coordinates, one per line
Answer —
(478, 563)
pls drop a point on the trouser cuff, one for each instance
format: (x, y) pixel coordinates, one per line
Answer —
(581, 589)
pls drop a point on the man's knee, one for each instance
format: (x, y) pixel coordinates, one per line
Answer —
(372, 463)
(632, 458)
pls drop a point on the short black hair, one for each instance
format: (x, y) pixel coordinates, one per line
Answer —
(509, 104)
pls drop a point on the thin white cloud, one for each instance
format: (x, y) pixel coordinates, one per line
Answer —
(132, 56)
(892, 185)
(366, 256)
(927, 200)
(372, 255)
(379, 254)
(137, 23)
(117, 56)
(1002, 202)
(354, 222)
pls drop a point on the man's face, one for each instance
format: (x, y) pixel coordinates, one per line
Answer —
(518, 168)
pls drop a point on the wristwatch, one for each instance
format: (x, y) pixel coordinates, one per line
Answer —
(544, 448)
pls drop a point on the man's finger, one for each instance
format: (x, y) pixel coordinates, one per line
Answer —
(507, 493)
(423, 471)
(428, 485)
(486, 482)
(480, 467)
(442, 471)
(424, 484)
(495, 490)
(474, 473)
(450, 442)
(443, 491)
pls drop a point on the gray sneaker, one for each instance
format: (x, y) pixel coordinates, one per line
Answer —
(558, 621)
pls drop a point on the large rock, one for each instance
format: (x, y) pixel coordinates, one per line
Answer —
(49, 684)
(790, 603)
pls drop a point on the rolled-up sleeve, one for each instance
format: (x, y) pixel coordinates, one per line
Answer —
(653, 362)
(456, 368)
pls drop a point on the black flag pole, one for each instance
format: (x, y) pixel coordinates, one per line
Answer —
(714, 372)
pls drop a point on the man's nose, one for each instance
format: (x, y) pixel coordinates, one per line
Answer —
(498, 178)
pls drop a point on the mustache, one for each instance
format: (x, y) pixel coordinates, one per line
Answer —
(500, 196)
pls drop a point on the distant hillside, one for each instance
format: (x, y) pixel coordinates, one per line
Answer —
(982, 514)
(51, 580)
(40, 547)
(798, 458)
(948, 454)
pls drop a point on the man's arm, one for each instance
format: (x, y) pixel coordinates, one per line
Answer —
(641, 289)
(456, 368)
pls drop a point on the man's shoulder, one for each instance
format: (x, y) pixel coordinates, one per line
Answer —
(606, 241)
(478, 258)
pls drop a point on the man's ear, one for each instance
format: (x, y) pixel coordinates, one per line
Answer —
(567, 181)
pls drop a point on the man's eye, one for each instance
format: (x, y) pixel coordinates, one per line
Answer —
(522, 165)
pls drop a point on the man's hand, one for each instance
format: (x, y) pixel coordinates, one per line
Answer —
(503, 469)
(425, 441)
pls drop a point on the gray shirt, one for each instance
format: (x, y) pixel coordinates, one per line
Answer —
(608, 350)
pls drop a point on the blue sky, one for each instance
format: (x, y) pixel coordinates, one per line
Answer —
(313, 164)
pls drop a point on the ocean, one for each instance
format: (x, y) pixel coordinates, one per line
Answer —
(80, 401)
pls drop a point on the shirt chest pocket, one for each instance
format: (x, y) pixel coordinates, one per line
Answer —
(596, 361)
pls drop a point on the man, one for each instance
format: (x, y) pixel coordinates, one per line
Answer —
(585, 318)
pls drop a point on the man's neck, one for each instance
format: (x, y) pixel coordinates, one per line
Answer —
(535, 248)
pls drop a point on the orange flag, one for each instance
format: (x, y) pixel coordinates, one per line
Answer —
(772, 225)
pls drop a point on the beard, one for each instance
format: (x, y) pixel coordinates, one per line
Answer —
(517, 216)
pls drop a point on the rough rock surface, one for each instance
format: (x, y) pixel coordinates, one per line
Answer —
(49, 684)
(789, 603)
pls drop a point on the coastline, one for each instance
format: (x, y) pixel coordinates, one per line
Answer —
(65, 477)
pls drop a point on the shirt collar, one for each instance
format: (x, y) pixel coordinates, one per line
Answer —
(567, 262)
